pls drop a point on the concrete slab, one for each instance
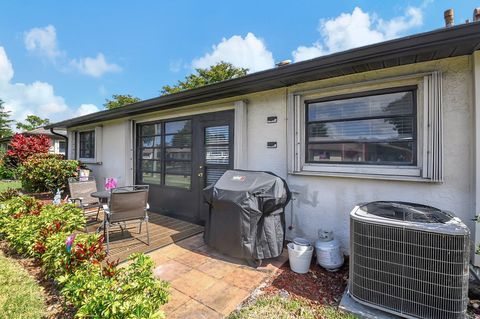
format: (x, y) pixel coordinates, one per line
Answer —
(348, 304)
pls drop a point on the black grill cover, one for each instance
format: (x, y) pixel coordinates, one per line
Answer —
(246, 217)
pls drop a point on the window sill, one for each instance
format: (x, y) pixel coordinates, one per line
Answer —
(89, 161)
(398, 173)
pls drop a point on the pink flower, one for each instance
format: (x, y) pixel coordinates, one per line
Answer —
(69, 242)
(110, 183)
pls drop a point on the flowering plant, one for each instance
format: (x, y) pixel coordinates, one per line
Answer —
(110, 183)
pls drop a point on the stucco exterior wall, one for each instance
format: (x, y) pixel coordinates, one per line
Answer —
(325, 202)
(112, 154)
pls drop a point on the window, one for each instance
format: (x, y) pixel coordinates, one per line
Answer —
(86, 144)
(390, 128)
(165, 151)
(376, 128)
(217, 152)
(62, 147)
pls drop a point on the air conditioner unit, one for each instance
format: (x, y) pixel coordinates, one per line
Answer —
(409, 259)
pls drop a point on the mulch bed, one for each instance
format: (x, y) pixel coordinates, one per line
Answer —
(318, 287)
(56, 307)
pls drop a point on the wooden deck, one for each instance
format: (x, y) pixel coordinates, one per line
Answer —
(163, 230)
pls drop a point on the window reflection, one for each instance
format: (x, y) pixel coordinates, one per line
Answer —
(374, 129)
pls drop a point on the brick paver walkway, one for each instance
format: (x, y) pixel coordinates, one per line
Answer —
(205, 283)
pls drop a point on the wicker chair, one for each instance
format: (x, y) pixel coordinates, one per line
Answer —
(126, 204)
(80, 195)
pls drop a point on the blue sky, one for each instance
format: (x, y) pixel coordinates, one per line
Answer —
(62, 59)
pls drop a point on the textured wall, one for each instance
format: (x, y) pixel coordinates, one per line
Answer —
(113, 154)
(325, 202)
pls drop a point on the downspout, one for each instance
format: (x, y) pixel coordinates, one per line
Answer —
(66, 141)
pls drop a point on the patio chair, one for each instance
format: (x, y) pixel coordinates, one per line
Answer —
(126, 204)
(80, 195)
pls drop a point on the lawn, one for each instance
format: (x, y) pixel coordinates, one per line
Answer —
(286, 308)
(4, 185)
(20, 296)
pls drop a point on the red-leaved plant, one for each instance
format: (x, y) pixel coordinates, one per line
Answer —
(22, 147)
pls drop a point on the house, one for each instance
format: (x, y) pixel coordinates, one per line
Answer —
(57, 142)
(396, 120)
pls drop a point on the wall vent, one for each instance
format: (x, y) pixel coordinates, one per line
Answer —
(409, 259)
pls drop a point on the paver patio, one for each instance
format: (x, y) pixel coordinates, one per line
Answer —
(205, 283)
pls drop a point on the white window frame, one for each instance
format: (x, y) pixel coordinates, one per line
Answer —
(429, 167)
(98, 145)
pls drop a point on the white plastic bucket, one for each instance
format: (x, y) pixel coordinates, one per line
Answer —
(299, 260)
(301, 244)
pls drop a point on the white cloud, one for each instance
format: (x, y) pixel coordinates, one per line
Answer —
(38, 98)
(6, 69)
(95, 67)
(85, 109)
(306, 53)
(248, 52)
(43, 42)
(350, 30)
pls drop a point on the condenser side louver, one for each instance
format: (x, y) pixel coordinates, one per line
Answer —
(409, 259)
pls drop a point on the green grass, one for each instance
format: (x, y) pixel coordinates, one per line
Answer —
(20, 296)
(286, 308)
(4, 185)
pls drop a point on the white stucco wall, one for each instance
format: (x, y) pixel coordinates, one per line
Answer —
(325, 202)
(113, 148)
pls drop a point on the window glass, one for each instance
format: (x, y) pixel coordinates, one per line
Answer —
(152, 153)
(216, 135)
(182, 181)
(217, 152)
(183, 168)
(184, 154)
(151, 178)
(178, 140)
(164, 154)
(86, 144)
(152, 129)
(178, 127)
(383, 105)
(400, 128)
(374, 129)
(62, 147)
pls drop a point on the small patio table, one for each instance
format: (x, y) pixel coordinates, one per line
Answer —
(103, 196)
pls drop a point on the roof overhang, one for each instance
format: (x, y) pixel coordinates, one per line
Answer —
(434, 45)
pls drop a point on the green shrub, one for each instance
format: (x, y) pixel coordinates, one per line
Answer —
(46, 172)
(25, 222)
(7, 171)
(8, 194)
(15, 208)
(131, 292)
(95, 286)
(57, 260)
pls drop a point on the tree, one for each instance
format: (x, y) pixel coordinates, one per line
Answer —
(119, 100)
(32, 122)
(216, 73)
(23, 147)
(5, 121)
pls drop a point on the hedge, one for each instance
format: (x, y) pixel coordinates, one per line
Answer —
(76, 261)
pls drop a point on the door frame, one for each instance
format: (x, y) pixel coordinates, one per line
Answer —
(197, 151)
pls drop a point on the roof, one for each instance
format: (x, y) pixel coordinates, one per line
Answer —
(460, 40)
(37, 131)
(43, 131)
